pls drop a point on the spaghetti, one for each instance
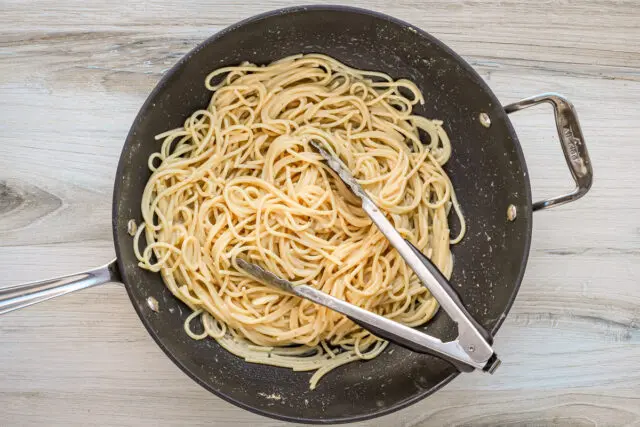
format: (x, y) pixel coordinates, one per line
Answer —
(239, 179)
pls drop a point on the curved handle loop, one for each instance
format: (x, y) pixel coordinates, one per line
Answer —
(573, 145)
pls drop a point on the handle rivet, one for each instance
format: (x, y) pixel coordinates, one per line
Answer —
(471, 349)
(132, 227)
(485, 120)
(512, 212)
(153, 304)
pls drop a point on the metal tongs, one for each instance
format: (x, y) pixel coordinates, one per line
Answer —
(469, 351)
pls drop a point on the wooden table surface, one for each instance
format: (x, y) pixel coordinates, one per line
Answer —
(73, 74)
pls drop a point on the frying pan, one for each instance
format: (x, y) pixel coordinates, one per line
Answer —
(487, 169)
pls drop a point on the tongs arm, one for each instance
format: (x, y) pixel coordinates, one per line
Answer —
(380, 326)
(396, 332)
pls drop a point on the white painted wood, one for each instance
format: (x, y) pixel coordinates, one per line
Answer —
(72, 77)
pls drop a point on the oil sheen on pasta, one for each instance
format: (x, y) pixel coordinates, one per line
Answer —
(239, 179)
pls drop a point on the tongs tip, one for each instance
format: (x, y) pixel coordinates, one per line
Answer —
(341, 169)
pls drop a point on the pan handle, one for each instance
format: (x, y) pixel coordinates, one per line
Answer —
(26, 294)
(573, 145)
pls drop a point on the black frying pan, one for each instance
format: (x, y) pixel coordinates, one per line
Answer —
(487, 169)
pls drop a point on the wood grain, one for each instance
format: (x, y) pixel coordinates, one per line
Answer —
(72, 77)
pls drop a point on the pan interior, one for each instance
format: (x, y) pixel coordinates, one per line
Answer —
(487, 170)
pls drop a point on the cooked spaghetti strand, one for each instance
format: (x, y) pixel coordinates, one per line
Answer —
(239, 179)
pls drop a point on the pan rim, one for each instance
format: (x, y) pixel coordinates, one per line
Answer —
(160, 86)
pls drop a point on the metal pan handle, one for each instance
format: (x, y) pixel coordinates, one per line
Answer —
(573, 145)
(26, 294)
